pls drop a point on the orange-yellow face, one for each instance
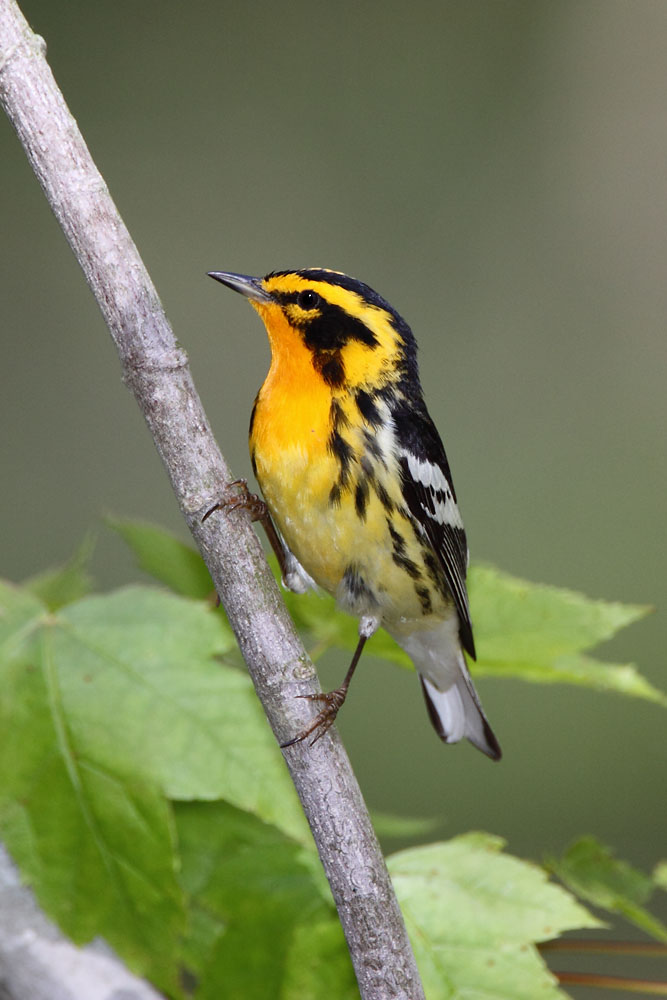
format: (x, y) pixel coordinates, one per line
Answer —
(328, 328)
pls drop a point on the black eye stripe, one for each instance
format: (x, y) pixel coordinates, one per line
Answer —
(306, 298)
(332, 327)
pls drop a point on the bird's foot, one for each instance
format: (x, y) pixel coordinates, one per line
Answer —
(324, 719)
(241, 500)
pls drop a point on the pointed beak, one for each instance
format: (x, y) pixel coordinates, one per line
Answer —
(243, 283)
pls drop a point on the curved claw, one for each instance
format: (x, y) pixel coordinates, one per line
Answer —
(320, 726)
(324, 719)
(244, 501)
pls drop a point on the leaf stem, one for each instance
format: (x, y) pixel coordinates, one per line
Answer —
(593, 979)
(598, 946)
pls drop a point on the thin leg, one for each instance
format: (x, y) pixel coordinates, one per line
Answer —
(333, 701)
(258, 511)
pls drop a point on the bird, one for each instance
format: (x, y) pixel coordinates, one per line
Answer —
(358, 498)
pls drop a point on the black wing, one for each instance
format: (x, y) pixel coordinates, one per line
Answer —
(429, 495)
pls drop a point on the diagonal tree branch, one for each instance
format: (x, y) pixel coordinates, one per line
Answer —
(156, 370)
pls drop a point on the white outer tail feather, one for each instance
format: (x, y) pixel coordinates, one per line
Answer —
(451, 699)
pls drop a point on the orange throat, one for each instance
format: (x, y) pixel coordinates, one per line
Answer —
(294, 403)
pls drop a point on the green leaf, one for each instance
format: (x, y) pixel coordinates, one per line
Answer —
(165, 558)
(95, 842)
(390, 826)
(317, 963)
(65, 584)
(591, 871)
(537, 632)
(143, 687)
(513, 613)
(106, 707)
(271, 904)
(20, 613)
(585, 671)
(660, 875)
(473, 914)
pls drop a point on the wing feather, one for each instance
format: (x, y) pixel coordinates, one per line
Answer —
(429, 494)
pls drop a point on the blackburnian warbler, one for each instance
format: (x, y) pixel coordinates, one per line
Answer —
(355, 475)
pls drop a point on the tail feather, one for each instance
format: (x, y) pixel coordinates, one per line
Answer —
(457, 713)
(452, 702)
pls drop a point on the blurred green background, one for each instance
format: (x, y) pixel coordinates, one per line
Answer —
(497, 170)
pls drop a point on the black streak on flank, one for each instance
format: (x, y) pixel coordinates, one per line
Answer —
(367, 408)
(398, 555)
(356, 586)
(334, 495)
(337, 416)
(343, 453)
(410, 567)
(367, 468)
(397, 540)
(424, 599)
(437, 576)
(383, 497)
(373, 446)
(361, 498)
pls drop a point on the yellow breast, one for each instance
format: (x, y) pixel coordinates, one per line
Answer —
(296, 470)
(357, 559)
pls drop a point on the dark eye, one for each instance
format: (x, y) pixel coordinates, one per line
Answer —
(308, 299)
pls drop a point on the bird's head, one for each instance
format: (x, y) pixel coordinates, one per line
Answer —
(329, 322)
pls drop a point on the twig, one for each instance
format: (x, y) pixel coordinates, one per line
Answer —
(594, 979)
(156, 370)
(647, 949)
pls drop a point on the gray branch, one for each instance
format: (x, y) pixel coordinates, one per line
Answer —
(38, 963)
(156, 370)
